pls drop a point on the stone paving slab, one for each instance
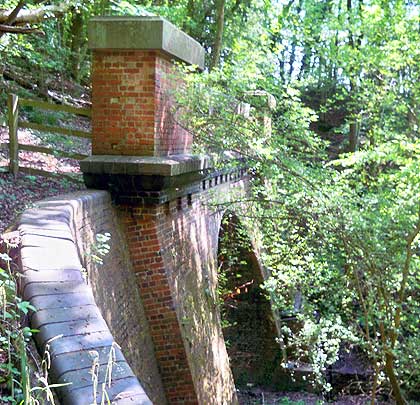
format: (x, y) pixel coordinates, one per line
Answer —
(81, 342)
(51, 257)
(33, 224)
(56, 287)
(34, 276)
(82, 359)
(83, 377)
(41, 240)
(129, 398)
(144, 32)
(29, 231)
(46, 316)
(62, 300)
(48, 218)
(145, 165)
(129, 393)
(125, 387)
(70, 328)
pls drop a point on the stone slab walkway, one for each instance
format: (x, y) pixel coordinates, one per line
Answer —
(71, 327)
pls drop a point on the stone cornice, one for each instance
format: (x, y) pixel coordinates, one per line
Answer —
(144, 33)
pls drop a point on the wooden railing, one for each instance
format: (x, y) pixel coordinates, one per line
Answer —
(14, 123)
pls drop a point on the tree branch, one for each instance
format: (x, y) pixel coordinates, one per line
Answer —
(31, 16)
(19, 30)
(12, 16)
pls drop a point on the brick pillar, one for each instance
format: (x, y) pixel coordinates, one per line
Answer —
(132, 73)
(145, 232)
(142, 156)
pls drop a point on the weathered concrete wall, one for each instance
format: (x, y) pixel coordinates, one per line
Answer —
(56, 235)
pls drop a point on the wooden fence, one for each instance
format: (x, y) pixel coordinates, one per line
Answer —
(14, 123)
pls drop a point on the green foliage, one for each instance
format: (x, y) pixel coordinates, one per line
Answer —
(339, 230)
(361, 54)
(287, 401)
(99, 390)
(13, 336)
(100, 248)
(22, 381)
(343, 234)
(211, 113)
(14, 340)
(233, 245)
(350, 246)
(320, 341)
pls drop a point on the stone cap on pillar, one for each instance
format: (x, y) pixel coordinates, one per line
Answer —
(175, 165)
(138, 144)
(144, 33)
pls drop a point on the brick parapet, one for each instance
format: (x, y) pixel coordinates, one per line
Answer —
(71, 326)
(160, 303)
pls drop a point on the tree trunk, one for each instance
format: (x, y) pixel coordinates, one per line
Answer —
(293, 46)
(220, 22)
(303, 63)
(104, 7)
(190, 14)
(76, 44)
(354, 136)
(292, 58)
(11, 18)
(354, 130)
(389, 370)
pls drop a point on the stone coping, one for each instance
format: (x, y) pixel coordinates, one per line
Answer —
(69, 322)
(144, 33)
(145, 165)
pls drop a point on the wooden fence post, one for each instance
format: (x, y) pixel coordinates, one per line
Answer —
(13, 117)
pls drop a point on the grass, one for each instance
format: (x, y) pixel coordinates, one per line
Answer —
(14, 337)
(23, 379)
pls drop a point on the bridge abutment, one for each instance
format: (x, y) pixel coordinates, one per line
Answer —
(162, 194)
(173, 247)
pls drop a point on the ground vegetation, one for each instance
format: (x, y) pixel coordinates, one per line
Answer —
(335, 163)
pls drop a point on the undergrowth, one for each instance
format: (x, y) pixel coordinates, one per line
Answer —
(16, 371)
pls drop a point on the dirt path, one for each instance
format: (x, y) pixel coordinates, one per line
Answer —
(17, 194)
(257, 396)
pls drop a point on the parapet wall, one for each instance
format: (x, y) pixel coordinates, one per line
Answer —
(84, 307)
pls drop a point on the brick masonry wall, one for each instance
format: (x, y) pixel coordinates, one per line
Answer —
(154, 294)
(56, 240)
(173, 249)
(255, 356)
(114, 287)
(131, 112)
(171, 138)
